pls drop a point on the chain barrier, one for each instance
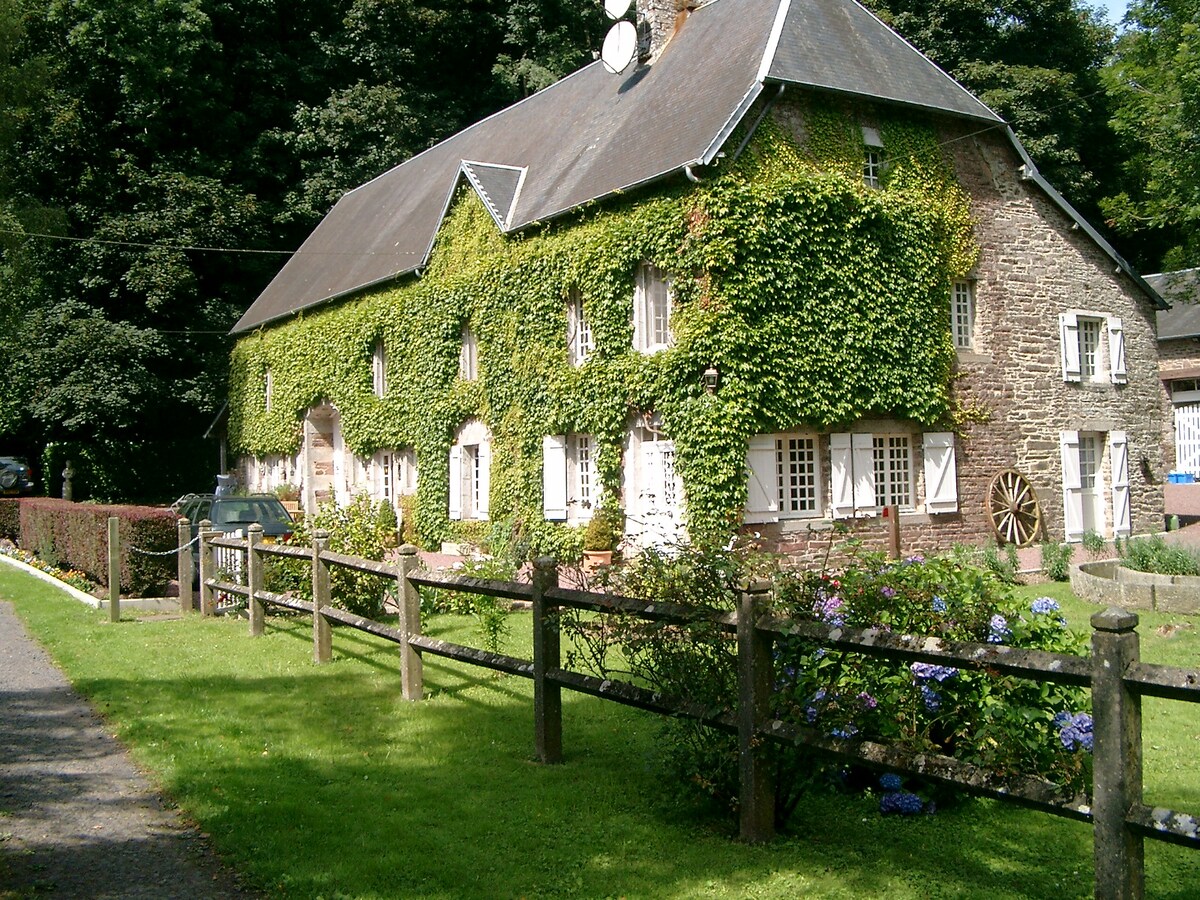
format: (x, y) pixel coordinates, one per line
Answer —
(164, 552)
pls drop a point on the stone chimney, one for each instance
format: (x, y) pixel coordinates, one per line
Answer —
(657, 22)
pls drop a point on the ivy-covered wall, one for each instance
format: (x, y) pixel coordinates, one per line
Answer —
(819, 301)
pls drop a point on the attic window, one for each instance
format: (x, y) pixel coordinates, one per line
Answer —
(651, 310)
(873, 161)
(580, 342)
(268, 386)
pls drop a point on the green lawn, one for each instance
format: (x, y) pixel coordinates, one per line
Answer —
(322, 782)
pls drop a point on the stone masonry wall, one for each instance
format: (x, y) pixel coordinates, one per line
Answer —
(1033, 265)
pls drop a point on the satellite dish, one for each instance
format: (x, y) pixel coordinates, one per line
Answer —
(620, 46)
(615, 9)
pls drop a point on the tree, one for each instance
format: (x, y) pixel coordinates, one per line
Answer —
(1154, 81)
(1037, 64)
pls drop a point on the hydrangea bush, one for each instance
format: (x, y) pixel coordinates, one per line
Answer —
(1005, 724)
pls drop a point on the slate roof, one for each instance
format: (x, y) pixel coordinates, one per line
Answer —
(592, 135)
(1182, 290)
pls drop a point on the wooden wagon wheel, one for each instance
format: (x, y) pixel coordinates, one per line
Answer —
(1013, 508)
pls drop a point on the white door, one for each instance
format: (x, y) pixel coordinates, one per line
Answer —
(1091, 482)
(1187, 438)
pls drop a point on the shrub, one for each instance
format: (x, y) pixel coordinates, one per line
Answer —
(76, 535)
(604, 529)
(1093, 542)
(1155, 555)
(1004, 724)
(10, 518)
(354, 530)
(1056, 561)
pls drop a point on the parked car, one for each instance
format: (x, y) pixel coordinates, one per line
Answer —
(231, 515)
(16, 478)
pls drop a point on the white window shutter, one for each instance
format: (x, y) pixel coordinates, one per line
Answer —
(762, 476)
(456, 482)
(863, 446)
(1068, 326)
(1116, 351)
(841, 465)
(1072, 486)
(941, 473)
(485, 479)
(1120, 488)
(554, 477)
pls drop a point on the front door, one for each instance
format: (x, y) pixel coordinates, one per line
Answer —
(1091, 482)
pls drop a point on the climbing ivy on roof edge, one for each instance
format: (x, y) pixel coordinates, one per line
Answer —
(820, 302)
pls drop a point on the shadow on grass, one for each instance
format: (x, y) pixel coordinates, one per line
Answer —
(322, 781)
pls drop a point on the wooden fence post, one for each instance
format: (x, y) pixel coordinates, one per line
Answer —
(208, 603)
(114, 569)
(254, 578)
(891, 515)
(412, 677)
(756, 798)
(187, 599)
(547, 696)
(1116, 758)
(322, 639)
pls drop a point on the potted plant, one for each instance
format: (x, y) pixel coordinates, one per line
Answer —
(600, 538)
(289, 496)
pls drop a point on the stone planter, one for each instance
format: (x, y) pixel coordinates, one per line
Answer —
(1107, 583)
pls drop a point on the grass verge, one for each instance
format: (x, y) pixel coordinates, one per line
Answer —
(320, 781)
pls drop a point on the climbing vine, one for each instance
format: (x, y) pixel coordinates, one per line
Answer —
(819, 301)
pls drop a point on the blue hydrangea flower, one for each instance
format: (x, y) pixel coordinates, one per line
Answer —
(939, 605)
(1043, 606)
(930, 672)
(845, 733)
(998, 630)
(915, 558)
(891, 781)
(811, 712)
(829, 610)
(888, 592)
(1074, 730)
(867, 700)
(901, 803)
(933, 700)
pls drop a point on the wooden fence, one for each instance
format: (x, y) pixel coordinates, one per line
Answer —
(1117, 678)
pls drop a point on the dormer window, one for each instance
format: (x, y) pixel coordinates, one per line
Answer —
(379, 369)
(468, 356)
(651, 310)
(873, 161)
(580, 343)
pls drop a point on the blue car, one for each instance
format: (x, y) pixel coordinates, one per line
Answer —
(16, 479)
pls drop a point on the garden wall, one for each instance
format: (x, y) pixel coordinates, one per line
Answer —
(1110, 584)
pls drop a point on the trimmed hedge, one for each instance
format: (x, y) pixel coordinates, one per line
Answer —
(10, 518)
(75, 535)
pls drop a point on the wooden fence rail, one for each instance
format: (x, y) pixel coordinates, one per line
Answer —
(1114, 673)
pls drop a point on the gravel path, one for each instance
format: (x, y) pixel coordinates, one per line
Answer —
(77, 819)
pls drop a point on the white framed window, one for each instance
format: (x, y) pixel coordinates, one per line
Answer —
(393, 474)
(580, 343)
(470, 471)
(468, 356)
(379, 369)
(1086, 503)
(268, 388)
(891, 457)
(1086, 355)
(570, 487)
(873, 161)
(962, 314)
(784, 477)
(651, 310)
(871, 471)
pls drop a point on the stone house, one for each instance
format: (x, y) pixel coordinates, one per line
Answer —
(781, 273)
(1179, 369)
